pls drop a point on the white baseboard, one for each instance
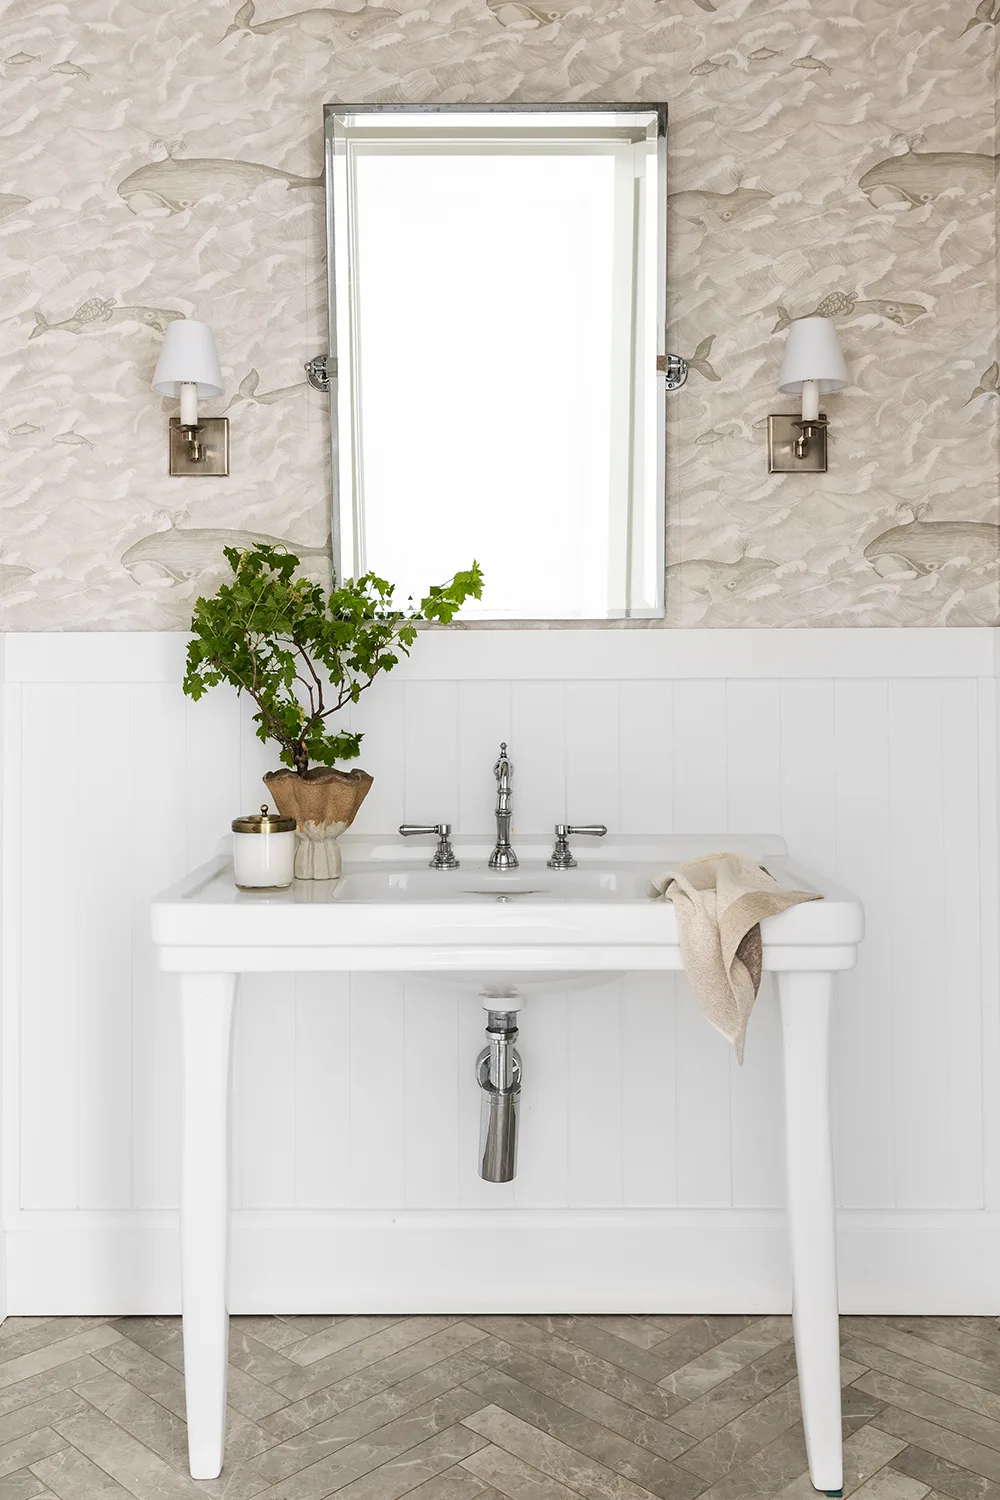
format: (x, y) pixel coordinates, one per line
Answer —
(504, 1262)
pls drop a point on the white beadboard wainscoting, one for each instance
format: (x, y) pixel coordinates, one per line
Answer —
(650, 1174)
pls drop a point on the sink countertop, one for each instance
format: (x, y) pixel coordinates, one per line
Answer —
(388, 910)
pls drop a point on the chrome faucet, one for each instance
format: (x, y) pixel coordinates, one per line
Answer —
(503, 856)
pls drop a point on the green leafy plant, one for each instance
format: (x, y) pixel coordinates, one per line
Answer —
(302, 653)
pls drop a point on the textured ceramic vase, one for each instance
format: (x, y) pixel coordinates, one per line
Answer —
(324, 802)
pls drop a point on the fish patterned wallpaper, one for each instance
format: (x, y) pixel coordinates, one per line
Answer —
(832, 156)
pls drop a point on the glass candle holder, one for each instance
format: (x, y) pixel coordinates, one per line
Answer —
(263, 851)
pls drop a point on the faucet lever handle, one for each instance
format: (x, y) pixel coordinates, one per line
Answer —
(562, 856)
(443, 857)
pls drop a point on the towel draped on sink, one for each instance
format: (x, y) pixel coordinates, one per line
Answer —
(720, 901)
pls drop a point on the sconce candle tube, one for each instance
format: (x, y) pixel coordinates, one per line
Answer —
(189, 403)
(810, 400)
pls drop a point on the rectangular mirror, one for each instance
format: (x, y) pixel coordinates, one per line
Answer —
(497, 314)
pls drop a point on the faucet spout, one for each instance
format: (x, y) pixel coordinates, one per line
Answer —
(503, 856)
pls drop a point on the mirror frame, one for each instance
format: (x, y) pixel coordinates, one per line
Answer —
(330, 114)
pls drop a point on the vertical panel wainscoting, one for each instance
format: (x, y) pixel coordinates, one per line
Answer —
(651, 1165)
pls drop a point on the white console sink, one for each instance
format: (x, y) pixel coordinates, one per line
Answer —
(482, 928)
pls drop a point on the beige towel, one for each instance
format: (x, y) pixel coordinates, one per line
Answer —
(720, 901)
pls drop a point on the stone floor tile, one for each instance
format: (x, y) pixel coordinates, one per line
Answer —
(960, 1450)
(588, 1335)
(655, 1474)
(357, 1355)
(970, 1424)
(724, 1360)
(413, 1470)
(706, 1413)
(881, 1332)
(72, 1476)
(943, 1476)
(21, 1485)
(57, 1353)
(511, 1476)
(638, 1426)
(23, 1451)
(577, 1471)
(39, 1333)
(583, 1363)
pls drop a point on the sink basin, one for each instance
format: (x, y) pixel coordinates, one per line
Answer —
(476, 882)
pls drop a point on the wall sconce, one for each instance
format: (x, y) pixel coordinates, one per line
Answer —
(813, 365)
(188, 367)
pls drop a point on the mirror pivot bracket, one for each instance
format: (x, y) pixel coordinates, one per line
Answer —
(320, 371)
(674, 368)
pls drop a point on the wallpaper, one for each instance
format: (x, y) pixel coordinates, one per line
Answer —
(832, 156)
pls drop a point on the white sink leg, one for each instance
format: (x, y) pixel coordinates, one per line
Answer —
(805, 1023)
(206, 1030)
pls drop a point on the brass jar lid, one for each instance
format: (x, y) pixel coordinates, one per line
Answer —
(264, 822)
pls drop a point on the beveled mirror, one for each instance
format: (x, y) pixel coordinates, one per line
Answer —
(497, 308)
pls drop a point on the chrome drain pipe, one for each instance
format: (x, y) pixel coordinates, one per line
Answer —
(498, 1070)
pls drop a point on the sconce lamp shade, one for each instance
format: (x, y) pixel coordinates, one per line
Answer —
(812, 352)
(188, 357)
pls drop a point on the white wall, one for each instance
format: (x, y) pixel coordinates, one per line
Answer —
(651, 1166)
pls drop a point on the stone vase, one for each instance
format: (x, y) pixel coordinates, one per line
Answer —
(324, 802)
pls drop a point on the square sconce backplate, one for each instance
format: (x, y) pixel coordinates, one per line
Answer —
(782, 434)
(213, 435)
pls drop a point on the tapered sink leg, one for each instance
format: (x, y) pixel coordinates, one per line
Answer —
(206, 1030)
(805, 1024)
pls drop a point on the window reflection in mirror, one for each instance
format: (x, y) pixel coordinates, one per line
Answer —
(497, 305)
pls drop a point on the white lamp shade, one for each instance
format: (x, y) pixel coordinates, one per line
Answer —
(812, 352)
(188, 357)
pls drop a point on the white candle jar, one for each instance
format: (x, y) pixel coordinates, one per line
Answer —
(263, 851)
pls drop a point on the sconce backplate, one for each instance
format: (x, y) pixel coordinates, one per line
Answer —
(213, 435)
(782, 435)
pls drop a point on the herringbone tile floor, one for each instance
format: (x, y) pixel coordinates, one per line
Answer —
(534, 1408)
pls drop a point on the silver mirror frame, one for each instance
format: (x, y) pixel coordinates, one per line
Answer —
(323, 371)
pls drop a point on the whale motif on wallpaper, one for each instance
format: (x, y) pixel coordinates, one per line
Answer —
(247, 391)
(182, 553)
(849, 304)
(927, 546)
(699, 359)
(922, 176)
(982, 16)
(102, 312)
(12, 203)
(178, 182)
(707, 208)
(517, 13)
(12, 576)
(328, 25)
(989, 383)
(704, 575)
